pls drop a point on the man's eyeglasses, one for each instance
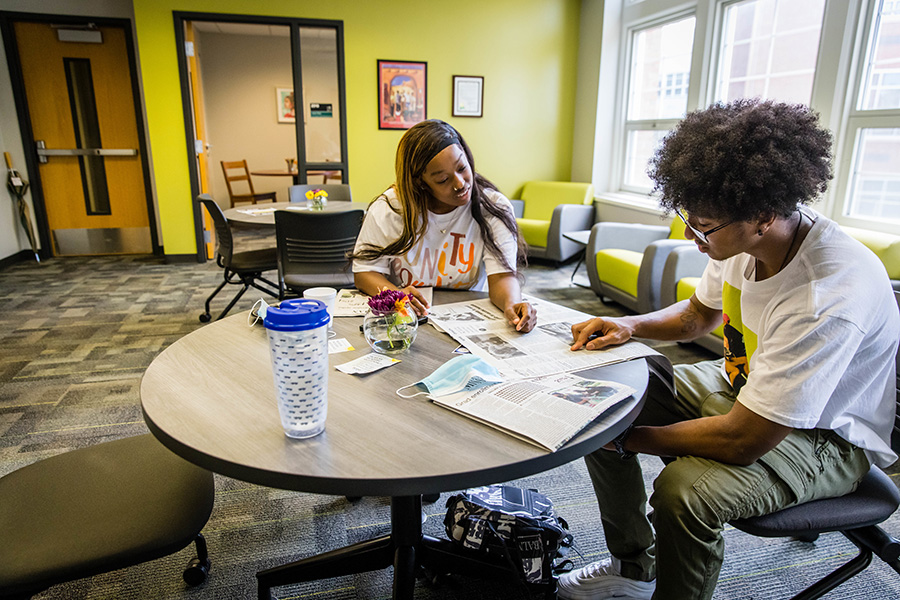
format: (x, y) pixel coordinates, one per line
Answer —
(703, 236)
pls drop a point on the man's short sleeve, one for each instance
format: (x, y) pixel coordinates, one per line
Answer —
(709, 290)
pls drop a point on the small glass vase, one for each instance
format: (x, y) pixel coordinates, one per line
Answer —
(318, 203)
(390, 333)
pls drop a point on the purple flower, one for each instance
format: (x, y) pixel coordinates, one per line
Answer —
(388, 301)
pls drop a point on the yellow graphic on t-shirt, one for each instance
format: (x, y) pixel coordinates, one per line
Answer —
(740, 341)
(450, 266)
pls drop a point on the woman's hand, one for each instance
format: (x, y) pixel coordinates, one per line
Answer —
(599, 333)
(370, 283)
(417, 300)
(522, 316)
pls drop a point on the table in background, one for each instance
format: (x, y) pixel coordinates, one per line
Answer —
(579, 237)
(210, 398)
(325, 175)
(267, 218)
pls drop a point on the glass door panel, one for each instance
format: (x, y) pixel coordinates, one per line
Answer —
(321, 101)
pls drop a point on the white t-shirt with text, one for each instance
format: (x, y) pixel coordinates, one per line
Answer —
(451, 253)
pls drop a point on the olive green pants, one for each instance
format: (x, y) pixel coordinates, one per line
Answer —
(694, 497)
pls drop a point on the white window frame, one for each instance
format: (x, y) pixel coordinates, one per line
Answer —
(629, 125)
(836, 85)
(853, 121)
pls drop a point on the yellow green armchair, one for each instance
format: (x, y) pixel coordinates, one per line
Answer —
(625, 261)
(886, 246)
(547, 210)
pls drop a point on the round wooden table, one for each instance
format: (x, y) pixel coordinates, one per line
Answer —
(325, 175)
(210, 398)
(264, 214)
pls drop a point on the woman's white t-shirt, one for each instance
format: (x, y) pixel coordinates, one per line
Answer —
(451, 253)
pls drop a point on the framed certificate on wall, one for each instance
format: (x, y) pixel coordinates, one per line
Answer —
(468, 95)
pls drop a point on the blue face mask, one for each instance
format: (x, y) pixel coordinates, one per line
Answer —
(461, 373)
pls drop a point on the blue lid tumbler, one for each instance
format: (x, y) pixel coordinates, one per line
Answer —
(298, 338)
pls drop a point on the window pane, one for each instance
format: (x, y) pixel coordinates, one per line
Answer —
(876, 176)
(769, 50)
(640, 146)
(660, 70)
(80, 81)
(321, 115)
(881, 88)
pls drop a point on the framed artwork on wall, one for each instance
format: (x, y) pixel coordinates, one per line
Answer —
(402, 93)
(284, 105)
(468, 95)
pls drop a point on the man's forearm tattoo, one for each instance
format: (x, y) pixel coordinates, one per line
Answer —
(689, 319)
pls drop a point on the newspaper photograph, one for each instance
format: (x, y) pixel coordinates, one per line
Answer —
(546, 411)
(482, 328)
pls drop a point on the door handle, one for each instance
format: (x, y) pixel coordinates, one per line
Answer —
(43, 152)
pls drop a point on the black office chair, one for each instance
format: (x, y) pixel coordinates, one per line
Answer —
(856, 515)
(239, 268)
(336, 191)
(312, 248)
(98, 509)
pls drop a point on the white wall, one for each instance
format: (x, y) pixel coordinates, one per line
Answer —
(240, 74)
(12, 236)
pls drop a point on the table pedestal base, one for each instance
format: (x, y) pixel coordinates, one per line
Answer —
(406, 548)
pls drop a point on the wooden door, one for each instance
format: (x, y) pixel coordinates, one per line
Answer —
(200, 140)
(82, 112)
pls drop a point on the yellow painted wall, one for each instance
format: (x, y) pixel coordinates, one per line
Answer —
(525, 49)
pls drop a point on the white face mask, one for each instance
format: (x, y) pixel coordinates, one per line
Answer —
(257, 312)
(461, 373)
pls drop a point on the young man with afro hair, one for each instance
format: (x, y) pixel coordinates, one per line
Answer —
(803, 401)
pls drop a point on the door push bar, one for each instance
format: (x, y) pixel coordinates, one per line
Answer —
(43, 152)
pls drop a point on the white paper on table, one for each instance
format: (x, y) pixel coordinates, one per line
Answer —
(256, 211)
(339, 345)
(367, 364)
(351, 303)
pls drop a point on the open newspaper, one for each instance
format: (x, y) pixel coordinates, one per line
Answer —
(542, 400)
(547, 411)
(482, 329)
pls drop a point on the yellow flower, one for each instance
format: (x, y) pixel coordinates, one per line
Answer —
(322, 193)
(400, 306)
(310, 195)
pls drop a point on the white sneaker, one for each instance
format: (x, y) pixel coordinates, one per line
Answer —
(601, 580)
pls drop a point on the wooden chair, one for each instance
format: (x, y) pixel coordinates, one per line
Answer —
(236, 171)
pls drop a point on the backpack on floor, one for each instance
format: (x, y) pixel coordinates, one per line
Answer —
(513, 523)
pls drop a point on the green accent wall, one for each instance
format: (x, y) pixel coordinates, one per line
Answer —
(526, 50)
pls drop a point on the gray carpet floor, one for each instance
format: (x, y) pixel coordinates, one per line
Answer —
(75, 337)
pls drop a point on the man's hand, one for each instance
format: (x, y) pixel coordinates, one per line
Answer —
(600, 333)
(522, 316)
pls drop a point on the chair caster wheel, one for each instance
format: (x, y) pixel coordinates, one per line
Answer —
(205, 318)
(352, 498)
(430, 497)
(196, 572)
